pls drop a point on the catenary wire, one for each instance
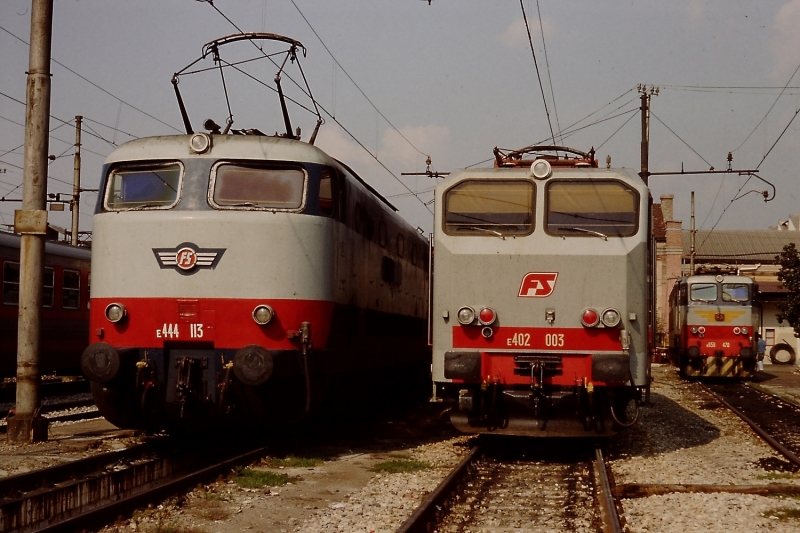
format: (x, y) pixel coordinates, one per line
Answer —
(539, 76)
(549, 76)
(679, 137)
(97, 86)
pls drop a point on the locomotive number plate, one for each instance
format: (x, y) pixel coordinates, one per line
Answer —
(526, 338)
(172, 331)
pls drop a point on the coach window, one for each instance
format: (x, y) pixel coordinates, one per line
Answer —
(243, 186)
(326, 192)
(735, 292)
(48, 288)
(71, 290)
(10, 283)
(489, 207)
(591, 208)
(703, 292)
(153, 186)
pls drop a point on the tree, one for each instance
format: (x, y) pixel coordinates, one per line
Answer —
(789, 276)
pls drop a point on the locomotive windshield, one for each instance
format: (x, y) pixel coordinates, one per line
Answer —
(602, 208)
(481, 207)
(703, 292)
(143, 187)
(239, 185)
(735, 292)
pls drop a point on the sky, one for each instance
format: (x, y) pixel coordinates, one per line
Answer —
(402, 80)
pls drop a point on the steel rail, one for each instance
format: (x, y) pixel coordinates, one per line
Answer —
(70, 496)
(605, 496)
(426, 513)
(759, 431)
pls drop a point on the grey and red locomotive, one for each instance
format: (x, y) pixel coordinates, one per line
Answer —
(540, 296)
(236, 275)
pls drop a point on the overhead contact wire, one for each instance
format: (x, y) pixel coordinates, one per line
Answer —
(539, 76)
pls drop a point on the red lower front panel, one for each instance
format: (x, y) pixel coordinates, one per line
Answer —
(227, 323)
(572, 345)
(716, 341)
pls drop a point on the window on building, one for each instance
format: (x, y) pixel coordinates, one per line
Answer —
(769, 336)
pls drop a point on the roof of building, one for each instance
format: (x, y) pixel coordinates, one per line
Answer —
(738, 246)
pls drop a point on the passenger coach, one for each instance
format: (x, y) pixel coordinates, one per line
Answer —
(540, 294)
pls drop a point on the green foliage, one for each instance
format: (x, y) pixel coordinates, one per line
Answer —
(789, 276)
(291, 461)
(783, 513)
(400, 465)
(249, 478)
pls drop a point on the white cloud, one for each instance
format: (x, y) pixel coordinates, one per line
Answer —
(516, 35)
(786, 40)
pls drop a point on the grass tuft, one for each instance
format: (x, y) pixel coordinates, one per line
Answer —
(291, 461)
(249, 478)
(783, 513)
(396, 466)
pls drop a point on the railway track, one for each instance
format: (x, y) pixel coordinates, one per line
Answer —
(60, 387)
(95, 490)
(568, 490)
(62, 411)
(772, 418)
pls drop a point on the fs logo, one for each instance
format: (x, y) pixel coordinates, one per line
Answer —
(538, 284)
(187, 258)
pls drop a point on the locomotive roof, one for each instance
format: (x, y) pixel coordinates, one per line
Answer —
(222, 147)
(711, 278)
(12, 240)
(559, 172)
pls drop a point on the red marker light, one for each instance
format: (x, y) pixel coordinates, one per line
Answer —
(590, 318)
(486, 316)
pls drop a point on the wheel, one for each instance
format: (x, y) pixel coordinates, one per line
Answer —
(782, 354)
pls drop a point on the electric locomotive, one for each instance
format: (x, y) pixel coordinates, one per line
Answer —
(540, 294)
(237, 276)
(712, 325)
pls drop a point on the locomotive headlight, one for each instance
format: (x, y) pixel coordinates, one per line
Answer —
(466, 315)
(115, 312)
(541, 169)
(487, 316)
(694, 330)
(745, 331)
(263, 314)
(736, 331)
(701, 329)
(590, 318)
(200, 143)
(610, 317)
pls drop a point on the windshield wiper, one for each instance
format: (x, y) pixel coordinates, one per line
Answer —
(143, 206)
(590, 232)
(493, 232)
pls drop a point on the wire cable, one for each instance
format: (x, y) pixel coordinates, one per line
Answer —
(679, 137)
(97, 86)
(549, 77)
(539, 76)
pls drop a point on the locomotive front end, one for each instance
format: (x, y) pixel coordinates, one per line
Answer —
(540, 298)
(212, 284)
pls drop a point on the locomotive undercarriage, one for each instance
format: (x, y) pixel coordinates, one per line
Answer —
(182, 387)
(718, 366)
(546, 410)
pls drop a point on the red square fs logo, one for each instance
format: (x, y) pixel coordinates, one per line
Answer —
(538, 284)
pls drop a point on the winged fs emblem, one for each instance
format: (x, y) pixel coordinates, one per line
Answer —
(187, 258)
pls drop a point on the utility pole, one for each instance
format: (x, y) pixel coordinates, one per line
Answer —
(76, 182)
(27, 425)
(691, 240)
(645, 108)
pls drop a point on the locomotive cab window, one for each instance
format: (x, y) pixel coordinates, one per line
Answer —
(735, 292)
(489, 207)
(244, 186)
(585, 208)
(143, 187)
(703, 292)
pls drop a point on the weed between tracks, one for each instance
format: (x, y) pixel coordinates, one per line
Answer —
(400, 465)
(249, 478)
